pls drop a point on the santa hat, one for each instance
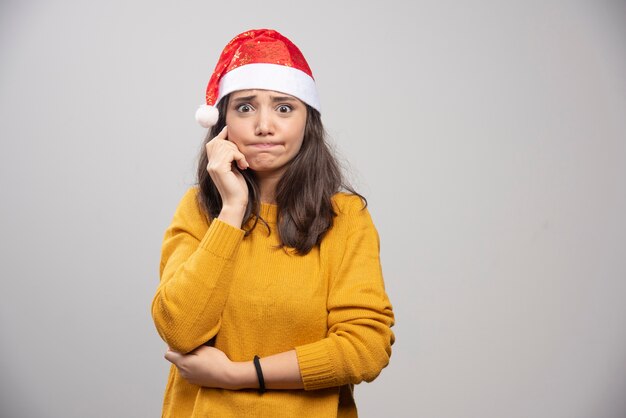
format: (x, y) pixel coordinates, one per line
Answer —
(258, 59)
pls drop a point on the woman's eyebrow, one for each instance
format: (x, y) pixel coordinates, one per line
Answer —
(244, 98)
(283, 99)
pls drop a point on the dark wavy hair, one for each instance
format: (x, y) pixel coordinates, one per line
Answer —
(303, 194)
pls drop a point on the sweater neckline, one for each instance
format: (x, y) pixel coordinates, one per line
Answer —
(269, 212)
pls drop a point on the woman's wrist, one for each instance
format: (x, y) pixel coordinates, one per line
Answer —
(243, 375)
(232, 214)
(280, 371)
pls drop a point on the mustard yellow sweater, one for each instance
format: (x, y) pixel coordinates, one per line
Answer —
(329, 305)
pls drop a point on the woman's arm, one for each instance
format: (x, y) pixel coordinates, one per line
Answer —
(196, 270)
(360, 316)
(197, 258)
(210, 367)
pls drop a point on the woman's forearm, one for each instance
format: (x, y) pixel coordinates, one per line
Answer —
(210, 367)
(280, 371)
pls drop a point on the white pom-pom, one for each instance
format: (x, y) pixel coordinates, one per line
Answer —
(207, 115)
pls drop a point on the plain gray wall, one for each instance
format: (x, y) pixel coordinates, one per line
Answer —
(489, 137)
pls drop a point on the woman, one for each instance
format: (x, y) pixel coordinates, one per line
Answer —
(271, 297)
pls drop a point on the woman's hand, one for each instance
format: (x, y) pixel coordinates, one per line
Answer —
(231, 185)
(205, 366)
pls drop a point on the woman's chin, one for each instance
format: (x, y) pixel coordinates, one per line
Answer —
(266, 169)
(263, 164)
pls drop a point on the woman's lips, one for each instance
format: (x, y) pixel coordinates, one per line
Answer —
(264, 145)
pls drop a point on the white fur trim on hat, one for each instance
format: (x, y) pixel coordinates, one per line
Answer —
(275, 77)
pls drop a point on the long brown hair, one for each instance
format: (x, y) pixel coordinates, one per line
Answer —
(303, 194)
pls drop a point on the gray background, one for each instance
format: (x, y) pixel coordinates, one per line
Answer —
(489, 137)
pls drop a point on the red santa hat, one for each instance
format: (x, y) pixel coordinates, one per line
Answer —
(258, 59)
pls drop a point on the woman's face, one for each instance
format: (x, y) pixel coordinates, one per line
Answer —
(267, 127)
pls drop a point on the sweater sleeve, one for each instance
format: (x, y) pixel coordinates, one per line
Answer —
(358, 343)
(195, 272)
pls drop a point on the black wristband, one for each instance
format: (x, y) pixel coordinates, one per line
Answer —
(259, 373)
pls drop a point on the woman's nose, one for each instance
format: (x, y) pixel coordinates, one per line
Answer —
(264, 123)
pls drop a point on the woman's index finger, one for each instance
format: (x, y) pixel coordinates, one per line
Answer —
(223, 133)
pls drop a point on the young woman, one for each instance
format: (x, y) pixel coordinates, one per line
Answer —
(271, 298)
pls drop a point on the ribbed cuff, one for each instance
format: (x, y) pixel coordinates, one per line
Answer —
(315, 366)
(222, 239)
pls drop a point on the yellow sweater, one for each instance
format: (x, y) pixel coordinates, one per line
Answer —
(329, 305)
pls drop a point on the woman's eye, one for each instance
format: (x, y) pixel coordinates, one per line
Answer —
(244, 108)
(284, 109)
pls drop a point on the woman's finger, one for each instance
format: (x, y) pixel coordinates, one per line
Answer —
(223, 133)
(218, 148)
(242, 163)
(173, 356)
